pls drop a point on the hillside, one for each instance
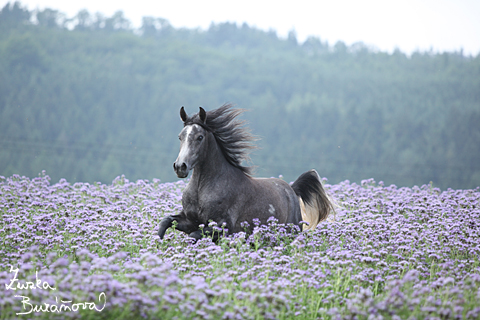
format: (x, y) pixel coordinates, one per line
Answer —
(88, 98)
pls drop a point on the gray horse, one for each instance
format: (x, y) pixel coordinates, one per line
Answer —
(213, 144)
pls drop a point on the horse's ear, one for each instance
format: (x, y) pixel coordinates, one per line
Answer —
(203, 115)
(183, 114)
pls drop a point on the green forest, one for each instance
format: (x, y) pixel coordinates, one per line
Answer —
(89, 98)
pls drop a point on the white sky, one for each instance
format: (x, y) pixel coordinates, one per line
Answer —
(441, 25)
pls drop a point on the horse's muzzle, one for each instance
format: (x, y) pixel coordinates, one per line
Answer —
(181, 170)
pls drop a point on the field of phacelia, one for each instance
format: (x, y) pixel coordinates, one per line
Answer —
(91, 251)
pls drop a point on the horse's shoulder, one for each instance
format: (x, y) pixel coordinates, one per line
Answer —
(190, 191)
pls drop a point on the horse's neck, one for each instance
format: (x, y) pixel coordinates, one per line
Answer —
(215, 166)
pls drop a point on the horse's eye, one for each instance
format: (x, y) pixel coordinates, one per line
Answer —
(200, 138)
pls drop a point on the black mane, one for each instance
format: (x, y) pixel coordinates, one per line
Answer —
(232, 137)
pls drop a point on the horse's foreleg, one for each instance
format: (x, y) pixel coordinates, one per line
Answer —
(164, 225)
(206, 232)
(197, 235)
(214, 232)
(183, 224)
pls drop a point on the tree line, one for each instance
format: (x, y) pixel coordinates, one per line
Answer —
(89, 98)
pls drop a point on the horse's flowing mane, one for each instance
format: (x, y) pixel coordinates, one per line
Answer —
(232, 137)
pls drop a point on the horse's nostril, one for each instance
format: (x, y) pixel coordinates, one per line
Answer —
(180, 168)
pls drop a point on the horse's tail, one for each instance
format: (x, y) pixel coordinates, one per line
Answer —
(315, 203)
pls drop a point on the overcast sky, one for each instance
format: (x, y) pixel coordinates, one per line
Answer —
(441, 25)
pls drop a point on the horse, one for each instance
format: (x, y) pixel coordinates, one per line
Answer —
(214, 144)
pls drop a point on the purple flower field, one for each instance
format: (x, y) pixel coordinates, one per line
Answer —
(91, 251)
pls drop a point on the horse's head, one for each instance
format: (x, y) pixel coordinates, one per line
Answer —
(192, 143)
